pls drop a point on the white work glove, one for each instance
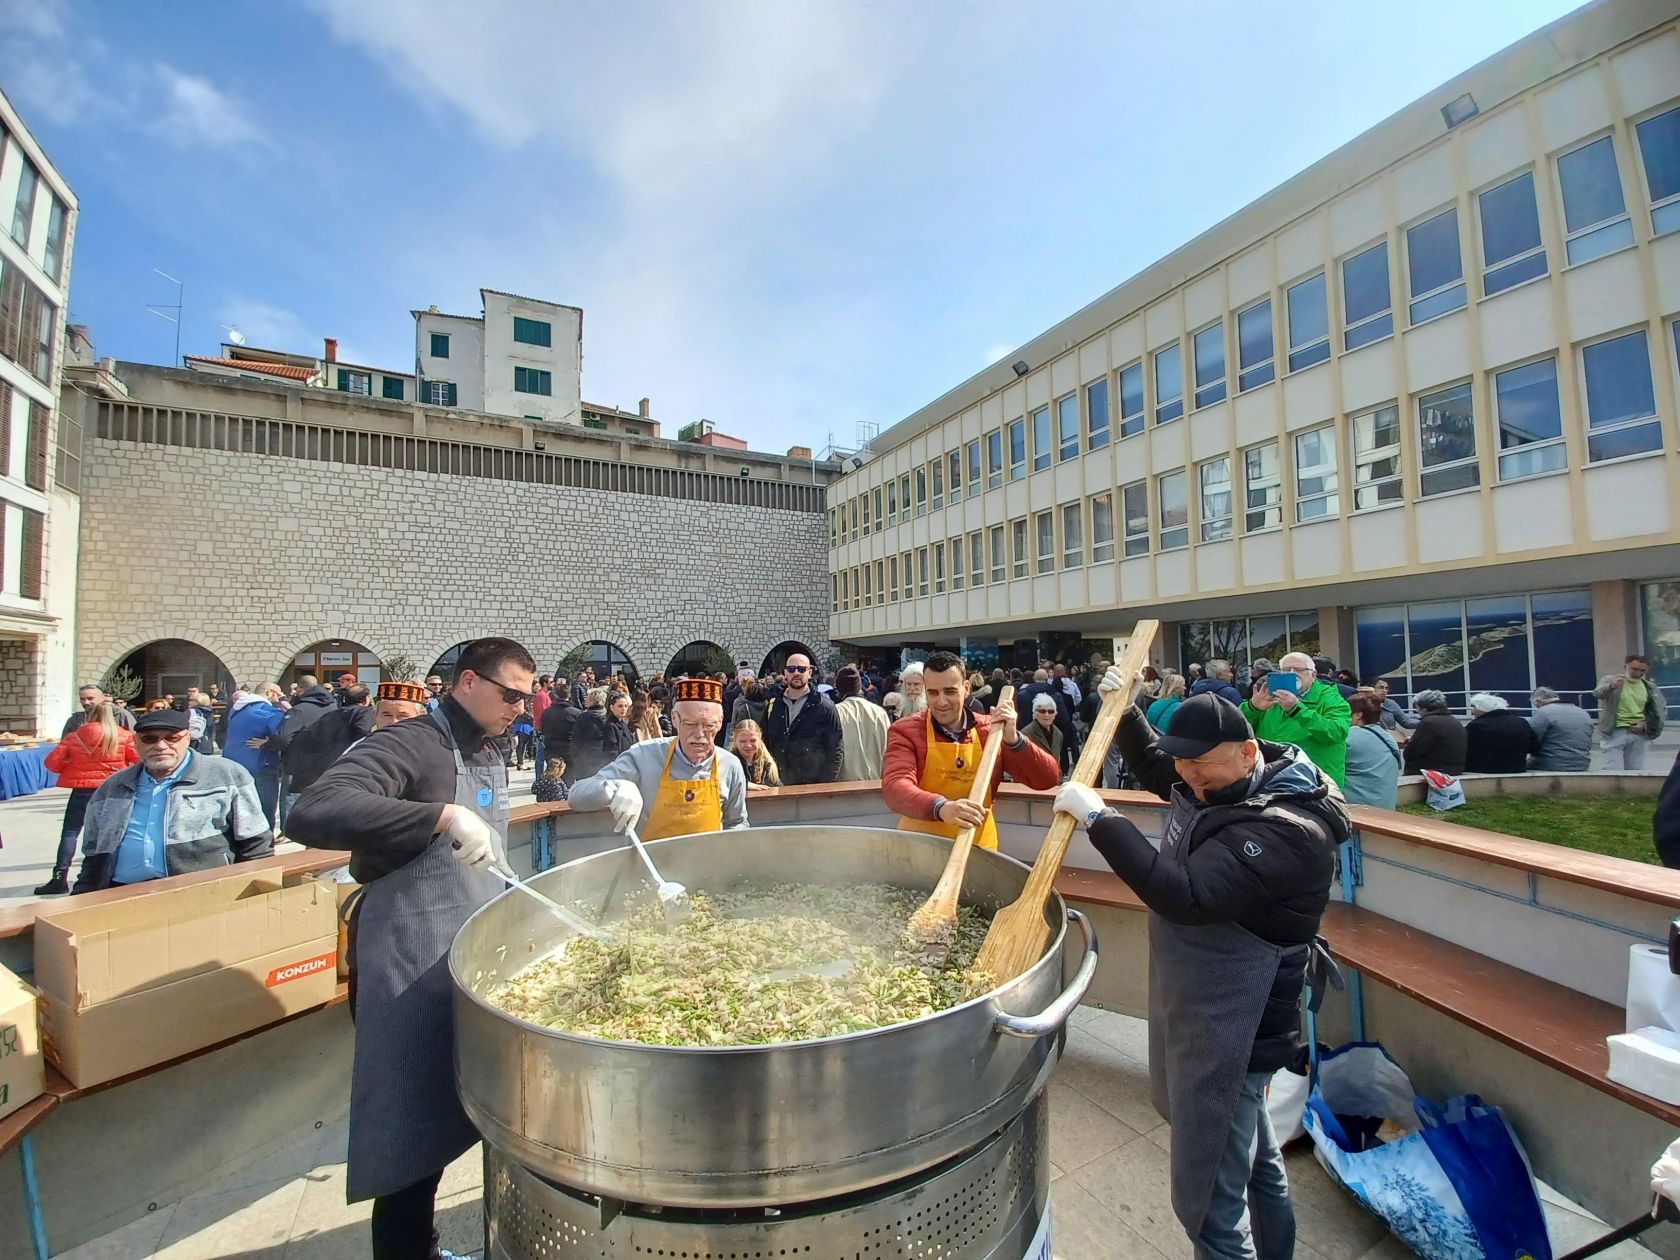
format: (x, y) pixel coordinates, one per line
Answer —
(624, 803)
(1080, 801)
(471, 841)
(1665, 1174)
(1110, 682)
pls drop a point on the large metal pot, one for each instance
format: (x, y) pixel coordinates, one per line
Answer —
(753, 1125)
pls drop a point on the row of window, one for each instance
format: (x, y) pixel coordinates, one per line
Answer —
(1621, 420)
(443, 393)
(30, 188)
(530, 332)
(1512, 252)
(351, 381)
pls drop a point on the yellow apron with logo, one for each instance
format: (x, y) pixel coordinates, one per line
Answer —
(682, 807)
(949, 772)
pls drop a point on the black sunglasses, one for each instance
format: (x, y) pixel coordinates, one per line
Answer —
(510, 695)
(797, 669)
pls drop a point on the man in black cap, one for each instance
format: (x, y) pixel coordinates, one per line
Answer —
(1235, 895)
(177, 811)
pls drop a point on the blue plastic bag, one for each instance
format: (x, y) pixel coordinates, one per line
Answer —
(1457, 1189)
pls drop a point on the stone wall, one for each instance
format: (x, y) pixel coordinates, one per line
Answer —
(258, 556)
(20, 687)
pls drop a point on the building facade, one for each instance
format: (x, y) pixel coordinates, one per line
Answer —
(342, 531)
(521, 357)
(1413, 409)
(39, 480)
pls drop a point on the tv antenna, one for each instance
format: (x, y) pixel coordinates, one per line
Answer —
(161, 309)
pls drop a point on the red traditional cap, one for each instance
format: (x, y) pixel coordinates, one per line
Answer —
(708, 690)
(413, 692)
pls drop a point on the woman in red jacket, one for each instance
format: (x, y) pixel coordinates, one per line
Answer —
(84, 759)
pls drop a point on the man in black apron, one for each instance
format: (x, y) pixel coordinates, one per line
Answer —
(1235, 896)
(422, 807)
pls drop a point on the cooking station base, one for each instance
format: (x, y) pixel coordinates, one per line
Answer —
(990, 1203)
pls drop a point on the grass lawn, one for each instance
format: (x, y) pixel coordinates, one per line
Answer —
(1619, 826)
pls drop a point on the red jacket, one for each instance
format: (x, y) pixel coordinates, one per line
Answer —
(79, 763)
(539, 704)
(901, 768)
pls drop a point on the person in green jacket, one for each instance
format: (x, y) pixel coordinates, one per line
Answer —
(1317, 722)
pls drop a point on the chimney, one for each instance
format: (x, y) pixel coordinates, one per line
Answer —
(332, 349)
(799, 452)
(643, 408)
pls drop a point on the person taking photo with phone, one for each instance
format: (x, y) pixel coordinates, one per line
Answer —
(1311, 714)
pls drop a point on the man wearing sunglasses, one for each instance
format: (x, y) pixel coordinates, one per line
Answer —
(175, 812)
(802, 729)
(422, 808)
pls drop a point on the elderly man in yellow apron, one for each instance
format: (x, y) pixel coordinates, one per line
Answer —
(932, 758)
(678, 785)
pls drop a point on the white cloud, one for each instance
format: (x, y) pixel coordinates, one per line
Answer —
(268, 326)
(996, 352)
(196, 111)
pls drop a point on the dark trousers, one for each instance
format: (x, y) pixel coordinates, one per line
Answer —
(75, 810)
(402, 1222)
(268, 794)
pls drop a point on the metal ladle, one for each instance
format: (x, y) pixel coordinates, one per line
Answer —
(581, 926)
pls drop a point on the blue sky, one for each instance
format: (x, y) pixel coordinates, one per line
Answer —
(784, 216)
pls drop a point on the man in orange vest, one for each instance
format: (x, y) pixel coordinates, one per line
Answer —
(932, 758)
(678, 785)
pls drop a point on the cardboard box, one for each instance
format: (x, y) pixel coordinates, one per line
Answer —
(23, 1070)
(156, 976)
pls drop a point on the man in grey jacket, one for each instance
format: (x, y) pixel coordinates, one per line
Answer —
(1563, 733)
(175, 812)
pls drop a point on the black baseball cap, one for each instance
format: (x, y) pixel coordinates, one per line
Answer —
(161, 720)
(1201, 724)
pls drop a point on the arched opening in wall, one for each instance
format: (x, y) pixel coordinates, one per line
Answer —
(167, 667)
(606, 659)
(778, 657)
(444, 666)
(330, 658)
(700, 657)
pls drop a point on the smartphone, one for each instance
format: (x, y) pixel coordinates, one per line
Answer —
(1283, 680)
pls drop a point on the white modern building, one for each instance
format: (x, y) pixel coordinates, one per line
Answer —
(1413, 409)
(520, 357)
(40, 458)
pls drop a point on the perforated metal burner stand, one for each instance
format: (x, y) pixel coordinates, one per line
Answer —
(987, 1204)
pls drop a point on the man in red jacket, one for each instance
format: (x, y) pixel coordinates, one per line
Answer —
(932, 757)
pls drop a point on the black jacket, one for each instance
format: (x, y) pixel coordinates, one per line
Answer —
(307, 709)
(323, 742)
(1498, 743)
(809, 752)
(558, 722)
(616, 737)
(588, 745)
(383, 799)
(1264, 863)
(1438, 742)
(1665, 825)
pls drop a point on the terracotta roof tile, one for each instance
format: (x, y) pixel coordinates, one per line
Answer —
(250, 365)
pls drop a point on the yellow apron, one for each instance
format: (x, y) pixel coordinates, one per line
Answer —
(682, 807)
(949, 772)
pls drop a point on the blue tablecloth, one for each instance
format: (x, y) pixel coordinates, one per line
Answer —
(22, 772)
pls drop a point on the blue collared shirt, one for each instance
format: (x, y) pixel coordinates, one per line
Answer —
(140, 856)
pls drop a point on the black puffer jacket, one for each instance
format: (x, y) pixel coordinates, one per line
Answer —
(1265, 863)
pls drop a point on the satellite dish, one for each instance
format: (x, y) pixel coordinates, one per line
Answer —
(234, 335)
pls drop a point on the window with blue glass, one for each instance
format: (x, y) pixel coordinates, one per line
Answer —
(532, 332)
(1209, 349)
(1365, 298)
(1169, 383)
(1595, 217)
(1525, 403)
(1434, 267)
(1659, 151)
(1621, 404)
(1309, 323)
(1067, 427)
(1511, 248)
(1131, 399)
(392, 388)
(1017, 449)
(1096, 414)
(1254, 346)
(440, 345)
(533, 381)
(1041, 447)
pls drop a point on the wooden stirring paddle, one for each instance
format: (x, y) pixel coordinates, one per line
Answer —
(1019, 935)
(933, 928)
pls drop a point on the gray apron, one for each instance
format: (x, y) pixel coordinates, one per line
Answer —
(406, 1121)
(1208, 987)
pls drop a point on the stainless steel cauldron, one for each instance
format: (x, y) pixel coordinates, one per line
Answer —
(745, 1126)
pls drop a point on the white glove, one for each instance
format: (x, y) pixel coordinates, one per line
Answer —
(1110, 682)
(1665, 1174)
(470, 839)
(1080, 801)
(624, 803)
